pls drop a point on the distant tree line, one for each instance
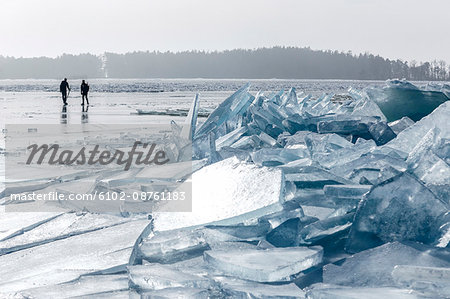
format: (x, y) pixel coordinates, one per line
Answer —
(276, 62)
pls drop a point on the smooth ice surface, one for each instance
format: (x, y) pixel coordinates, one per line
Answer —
(228, 192)
(373, 267)
(275, 264)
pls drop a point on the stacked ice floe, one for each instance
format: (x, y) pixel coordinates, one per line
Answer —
(316, 197)
(401, 98)
(293, 197)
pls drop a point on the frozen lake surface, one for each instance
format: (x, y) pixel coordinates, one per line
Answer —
(116, 100)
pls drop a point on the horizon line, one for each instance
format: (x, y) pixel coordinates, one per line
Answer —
(347, 52)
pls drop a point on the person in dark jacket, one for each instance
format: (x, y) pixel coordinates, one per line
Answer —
(84, 92)
(63, 87)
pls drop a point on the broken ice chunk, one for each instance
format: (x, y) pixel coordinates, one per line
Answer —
(270, 265)
(408, 138)
(431, 281)
(401, 124)
(173, 246)
(312, 177)
(346, 191)
(429, 167)
(381, 132)
(346, 125)
(325, 143)
(236, 288)
(179, 292)
(343, 195)
(277, 156)
(363, 105)
(373, 267)
(85, 286)
(228, 192)
(229, 108)
(401, 98)
(156, 277)
(230, 138)
(370, 162)
(66, 259)
(61, 227)
(285, 234)
(326, 291)
(247, 142)
(318, 212)
(267, 139)
(401, 208)
(189, 127)
(319, 230)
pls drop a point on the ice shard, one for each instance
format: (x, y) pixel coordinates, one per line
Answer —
(230, 138)
(328, 291)
(312, 177)
(168, 248)
(425, 163)
(408, 138)
(275, 156)
(401, 124)
(157, 277)
(236, 288)
(401, 208)
(286, 234)
(330, 227)
(270, 265)
(228, 192)
(431, 281)
(235, 104)
(189, 127)
(93, 286)
(373, 267)
(61, 227)
(177, 292)
(346, 191)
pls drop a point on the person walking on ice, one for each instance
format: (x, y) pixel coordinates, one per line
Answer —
(84, 92)
(63, 87)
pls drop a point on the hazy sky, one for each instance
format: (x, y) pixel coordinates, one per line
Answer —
(405, 29)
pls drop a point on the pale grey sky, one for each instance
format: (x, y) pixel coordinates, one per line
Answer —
(405, 29)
